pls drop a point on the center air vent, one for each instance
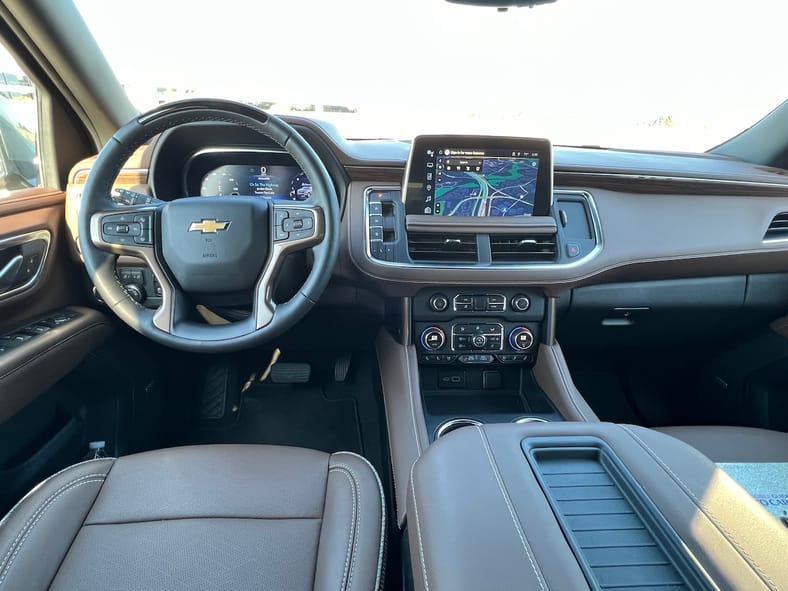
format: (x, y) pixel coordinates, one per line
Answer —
(520, 248)
(442, 247)
(778, 229)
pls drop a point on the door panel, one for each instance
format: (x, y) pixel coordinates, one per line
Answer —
(38, 344)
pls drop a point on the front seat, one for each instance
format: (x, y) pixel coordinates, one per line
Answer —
(222, 517)
(733, 444)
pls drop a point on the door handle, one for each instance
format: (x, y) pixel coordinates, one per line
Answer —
(9, 272)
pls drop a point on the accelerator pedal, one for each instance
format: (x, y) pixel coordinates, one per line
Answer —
(342, 367)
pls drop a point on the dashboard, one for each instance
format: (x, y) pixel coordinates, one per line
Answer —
(609, 215)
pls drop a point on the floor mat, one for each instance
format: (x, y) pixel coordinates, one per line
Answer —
(299, 415)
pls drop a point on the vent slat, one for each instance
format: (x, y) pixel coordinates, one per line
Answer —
(442, 247)
(778, 228)
(523, 248)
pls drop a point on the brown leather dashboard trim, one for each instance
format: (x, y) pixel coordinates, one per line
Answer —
(27, 199)
(30, 369)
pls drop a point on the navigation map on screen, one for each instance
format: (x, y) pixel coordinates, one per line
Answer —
(481, 183)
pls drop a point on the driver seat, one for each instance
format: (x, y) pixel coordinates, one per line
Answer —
(200, 518)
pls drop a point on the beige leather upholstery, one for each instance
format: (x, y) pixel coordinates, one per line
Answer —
(200, 518)
(478, 519)
(734, 444)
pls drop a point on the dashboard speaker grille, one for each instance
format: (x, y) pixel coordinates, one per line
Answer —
(442, 247)
(778, 229)
(519, 248)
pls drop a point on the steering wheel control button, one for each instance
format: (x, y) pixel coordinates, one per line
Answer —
(439, 302)
(433, 338)
(521, 339)
(521, 303)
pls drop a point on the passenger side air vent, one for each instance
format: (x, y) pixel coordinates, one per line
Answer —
(778, 229)
(522, 248)
(442, 247)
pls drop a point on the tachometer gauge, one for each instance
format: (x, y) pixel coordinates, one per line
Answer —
(218, 184)
(300, 188)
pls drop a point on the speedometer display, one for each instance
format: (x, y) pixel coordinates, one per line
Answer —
(272, 182)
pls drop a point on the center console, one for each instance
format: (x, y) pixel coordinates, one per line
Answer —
(584, 506)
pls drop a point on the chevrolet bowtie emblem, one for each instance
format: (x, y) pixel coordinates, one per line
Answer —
(209, 226)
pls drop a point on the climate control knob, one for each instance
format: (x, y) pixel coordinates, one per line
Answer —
(521, 338)
(439, 302)
(433, 338)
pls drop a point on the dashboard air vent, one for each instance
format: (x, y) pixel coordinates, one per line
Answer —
(511, 248)
(778, 229)
(442, 247)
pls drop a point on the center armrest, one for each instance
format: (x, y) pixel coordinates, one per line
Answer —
(584, 506)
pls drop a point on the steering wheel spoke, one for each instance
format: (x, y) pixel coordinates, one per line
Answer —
(296, 227)
(125, 230)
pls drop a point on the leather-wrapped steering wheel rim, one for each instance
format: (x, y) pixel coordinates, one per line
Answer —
(170, 325)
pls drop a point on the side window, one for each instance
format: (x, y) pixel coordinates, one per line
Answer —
(19, 163)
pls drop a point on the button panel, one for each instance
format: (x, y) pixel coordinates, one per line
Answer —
(479, 303)
(293, 223)
(383, 236)
(26, 334)
(128, 229)
(477, 337)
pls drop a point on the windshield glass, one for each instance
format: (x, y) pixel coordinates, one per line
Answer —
(667, 74)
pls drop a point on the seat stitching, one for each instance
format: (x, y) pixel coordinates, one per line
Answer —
(382, 514)
(703, 508)
(351, 533)
(39, 509)
(418, 530)
(74, 485)
(43, 482)
(512, 514)
(356, 521)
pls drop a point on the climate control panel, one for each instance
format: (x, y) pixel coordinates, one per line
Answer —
(477, 325)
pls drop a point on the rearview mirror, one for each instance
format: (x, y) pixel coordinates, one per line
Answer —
(502, 4)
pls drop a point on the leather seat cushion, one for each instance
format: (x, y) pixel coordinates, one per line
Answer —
(733, 444)
(211, 517)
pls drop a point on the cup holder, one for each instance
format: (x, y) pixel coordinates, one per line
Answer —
(453, 425)
(523, 420)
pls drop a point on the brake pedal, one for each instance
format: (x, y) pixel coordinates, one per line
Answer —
(218, 381)
(291, 373)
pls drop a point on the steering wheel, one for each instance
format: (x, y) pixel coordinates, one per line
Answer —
(203, 245)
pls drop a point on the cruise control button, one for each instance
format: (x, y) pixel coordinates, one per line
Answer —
(301, 234)
(280, 234)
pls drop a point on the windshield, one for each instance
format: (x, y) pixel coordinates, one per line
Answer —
(667, 74)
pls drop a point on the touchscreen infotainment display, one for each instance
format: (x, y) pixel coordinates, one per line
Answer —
(479, 177)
